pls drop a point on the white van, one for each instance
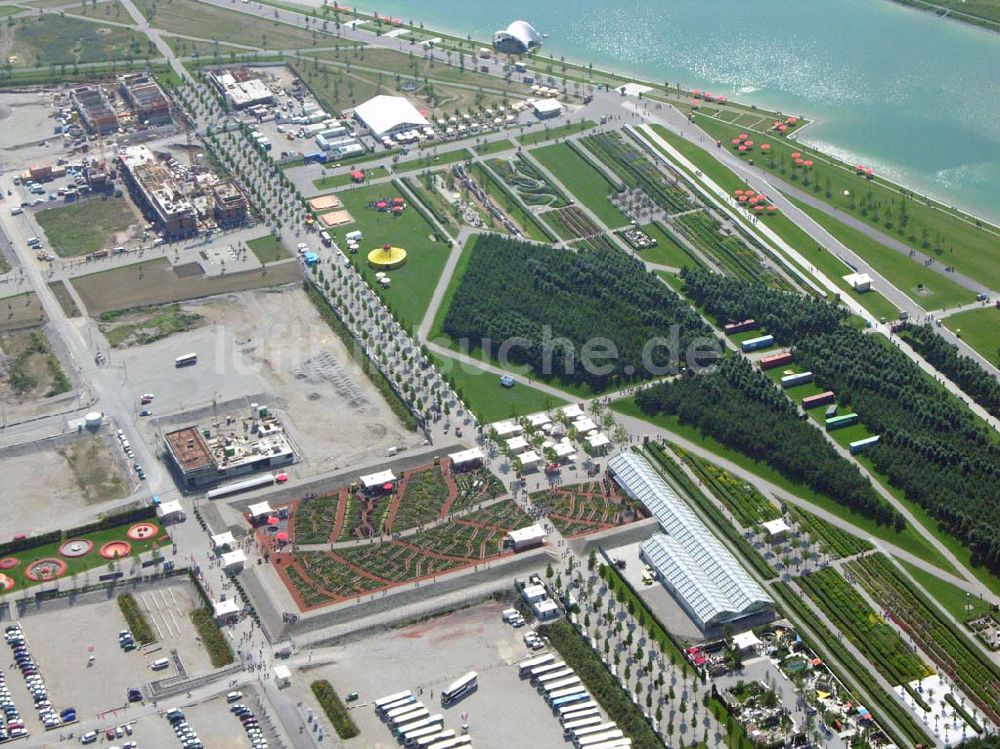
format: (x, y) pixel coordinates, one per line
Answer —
(89, 737)
(159, 664)
(508, 614)
(16, 210)
(34, 241)
(234, 696)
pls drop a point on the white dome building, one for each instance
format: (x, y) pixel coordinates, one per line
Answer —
(517, 39)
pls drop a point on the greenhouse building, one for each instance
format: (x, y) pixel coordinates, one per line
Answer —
(701, 574)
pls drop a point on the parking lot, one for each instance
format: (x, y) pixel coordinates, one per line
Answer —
(427, 657)
(62, 640)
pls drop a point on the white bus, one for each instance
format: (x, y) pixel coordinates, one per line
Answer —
(381, 703)
(390, 706)
(565, 712)
(597, 728)
(425, 741)
(459, 688)
(410, 737)
(405, 728)
(598, 738)
(186, 360)
(539, 671)
(453, 743)
(556, 675)
(579, 694)
(613, 744)
(524, 667)
(572, 726)
(415, 712)
(555, 686)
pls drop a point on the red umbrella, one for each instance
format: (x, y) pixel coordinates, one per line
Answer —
(807, 162)
(696, 92)
(792, 120)
(758, 208)
(737, 192)
(743, 136)
(720, 98)
(772, 208)
(743, 198)
(799, 161)
(380, 205)
(695, 103)
(397, 201)
(748, 193)
(782, 128)
(743, 149)
(765, 146)
(748, 143)
(387, 486)
(735, 141)
(397, 209)
(709, 95)
(796, 154)
(273, 520)
(281, 536)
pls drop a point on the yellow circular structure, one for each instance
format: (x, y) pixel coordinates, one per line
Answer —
(386, 257)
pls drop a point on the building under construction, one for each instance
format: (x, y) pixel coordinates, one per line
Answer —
(158, 192)
(237, 446)
(94, 109)
(145, 97)
(229, 204)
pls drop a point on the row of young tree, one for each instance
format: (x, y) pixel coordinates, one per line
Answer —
(551, 306)
(931, 446)
(785, 315)
(739, 407)
(960, 369)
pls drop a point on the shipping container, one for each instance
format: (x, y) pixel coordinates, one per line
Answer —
(739, 327)
(799, 378)
(859, 445)
(754, 344)
(820, 399)
(838, 422)
(775, 360)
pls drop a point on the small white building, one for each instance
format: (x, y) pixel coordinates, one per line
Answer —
(282, 676)
(746, 641)
(585, 425)
(533, 593)
(545, 610)
(223, 542)
(465, 459)
(572, 411)
(507, 428)
(378, 480)
(259, 512)
(226, 611)
(564, 450)
(529, 458)
(539, 420)
(776, 528)
(547, 108)
(860, 282)
(170, 512)
(233, 561)
(517, 444)
(527, 538)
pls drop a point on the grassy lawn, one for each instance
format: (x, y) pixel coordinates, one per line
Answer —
(81, 228)
(496, 146)
(53, 39)
(706, 163)
(91, 561)
(907, 539)
(342, 180)
(62, 296)
(932, 228)
(431, 161)
(589, 185)
(551, 133)
(953, 599)
(147, 324)
(486, 397)
(192, 18)
(668, 250)
(268, 249)
(907, 275)
(413, 284)
(980, 328)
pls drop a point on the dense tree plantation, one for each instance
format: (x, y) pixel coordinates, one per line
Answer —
(931, 446)
(739, 407)
(513, 289)
(785, 315)
(962, 370)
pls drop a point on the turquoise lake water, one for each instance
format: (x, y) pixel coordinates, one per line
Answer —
(914, 96)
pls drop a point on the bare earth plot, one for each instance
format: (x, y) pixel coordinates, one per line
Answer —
(29, 374)
(77, 474)
(21, 311)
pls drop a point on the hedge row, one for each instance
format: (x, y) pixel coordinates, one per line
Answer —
(329, 700)
(136, 620)
(215, 642)
(579, 656)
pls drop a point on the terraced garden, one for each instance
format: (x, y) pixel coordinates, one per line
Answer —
(866, 630)
(396, 562)
(422, 497)
(364, 517)
(736, 257)
(474, 487)
(635, 170)
(314, 519)
(953, 652)
(833, 540)
(586, 508)
(747, 504)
